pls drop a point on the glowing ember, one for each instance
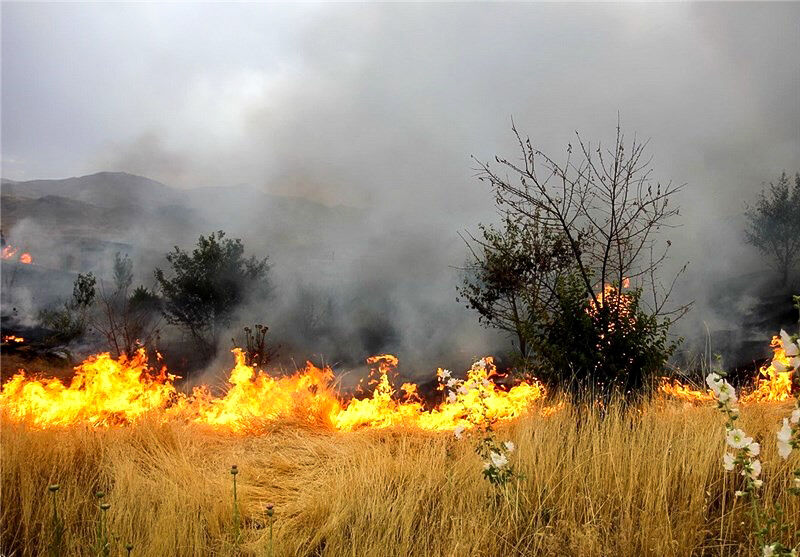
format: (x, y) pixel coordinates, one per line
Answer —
(9, 252)
(13, 338)
(105, 392)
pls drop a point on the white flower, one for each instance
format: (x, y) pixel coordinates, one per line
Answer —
(714, 381)
(752, 469)
(509, 446)
(796, 362)
(462, 390)
(728, 462)
(784, 449)
(758, 483)
(498, 460)
(789, 347)
(738, 493)
(785, 432)
(459, 431)
(726, 392)
(451, 397)
(737, 439)
(768, 551)
(487, 465)
(795, 416)
(444, 374)
(753, 449)
(778, 366)
(451, 383)
(485, 382)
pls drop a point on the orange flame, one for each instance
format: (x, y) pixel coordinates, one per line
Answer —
(106, 392)
(13, 338)
(10, 251)
(774, 382)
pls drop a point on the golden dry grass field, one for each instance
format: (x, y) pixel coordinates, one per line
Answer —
(649, 482)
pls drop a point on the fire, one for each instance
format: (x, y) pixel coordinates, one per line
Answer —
(13, 338)
(105, 391)
(774, 382)
(10, 251)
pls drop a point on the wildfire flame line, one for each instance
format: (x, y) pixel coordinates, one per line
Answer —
(105, 391)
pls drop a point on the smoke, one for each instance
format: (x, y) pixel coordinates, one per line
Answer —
(375, 111)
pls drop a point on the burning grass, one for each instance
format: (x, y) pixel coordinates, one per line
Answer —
(642, 482)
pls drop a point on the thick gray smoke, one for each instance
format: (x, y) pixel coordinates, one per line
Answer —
(376, 111)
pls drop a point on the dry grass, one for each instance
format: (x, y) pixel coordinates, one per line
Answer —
(647, 483)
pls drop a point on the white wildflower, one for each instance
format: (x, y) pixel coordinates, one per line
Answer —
(462, 390)
(728, 461)
(444, 374)
(451, 383)
(509, 446)
(726, 392)
(789, 347)
(795, 416)
(768, 551)
(459, 431)
(752, 469)
(758, 483)
(737, 439)
(779, 366)
(739, 493)
(714, 381)
(784, 449)
(498, 460)
(451, 397)
(485, 382)
(753, 449)
(785, 432)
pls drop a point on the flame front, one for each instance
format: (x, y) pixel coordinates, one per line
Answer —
(774, 383)
(106, 392)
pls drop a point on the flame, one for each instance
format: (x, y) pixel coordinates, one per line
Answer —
(773, 384)
(10, 251)
(105, 391)
(13, 338)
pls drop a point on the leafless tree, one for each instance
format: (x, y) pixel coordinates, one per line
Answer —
(604, 203)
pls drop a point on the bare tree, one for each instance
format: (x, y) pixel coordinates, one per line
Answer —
(773, 224)
(126, 320)
(604, 203)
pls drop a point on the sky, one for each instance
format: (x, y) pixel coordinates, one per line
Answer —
(383, 106)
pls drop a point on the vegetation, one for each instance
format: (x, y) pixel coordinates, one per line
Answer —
(644, 482)
(69, 322)
(208, 285)
(574, 235)
(127, 320)
(773, 225)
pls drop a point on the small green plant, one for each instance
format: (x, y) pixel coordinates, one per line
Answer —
(270, 516)
(103, 543)
(56, 525)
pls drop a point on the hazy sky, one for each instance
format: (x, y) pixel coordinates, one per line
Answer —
(381, 106)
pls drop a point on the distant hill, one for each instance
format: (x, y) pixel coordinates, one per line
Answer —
(104, 189)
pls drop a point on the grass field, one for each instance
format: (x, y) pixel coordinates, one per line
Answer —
(646, 482)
